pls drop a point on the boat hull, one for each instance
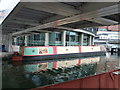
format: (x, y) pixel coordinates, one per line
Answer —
(58, 56)
(57, 52)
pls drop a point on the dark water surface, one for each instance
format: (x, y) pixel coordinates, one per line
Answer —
(40, 73)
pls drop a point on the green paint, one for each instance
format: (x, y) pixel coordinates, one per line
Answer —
(50, 64)
(34, 51)
(30, 68)
(52, 39)
(50, 50)
(31, 51)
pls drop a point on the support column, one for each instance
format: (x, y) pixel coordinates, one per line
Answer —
(26, 40)
(15, 41)
(93, 40)
(90, 40)
(0, 58)
(64, 38)
(81, 39)
(46, 39)
(10, 49)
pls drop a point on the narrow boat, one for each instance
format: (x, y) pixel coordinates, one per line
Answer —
(27, 53)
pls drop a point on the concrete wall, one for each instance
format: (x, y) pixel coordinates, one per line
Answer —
(5, 39)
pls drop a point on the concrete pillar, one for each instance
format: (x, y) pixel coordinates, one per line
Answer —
(26, 40)
(64, 38)
(1, 35)
(93, 40)
(0, 58)
(46, 39)
(90, 40)
(15, 41)
(81, 39)
(10, 49)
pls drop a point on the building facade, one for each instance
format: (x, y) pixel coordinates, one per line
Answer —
(109, 38)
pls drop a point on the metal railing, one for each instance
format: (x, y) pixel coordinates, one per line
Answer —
(36, 43)
(72, 43)
(42, 43)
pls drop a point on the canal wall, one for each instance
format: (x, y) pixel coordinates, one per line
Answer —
(4, 54)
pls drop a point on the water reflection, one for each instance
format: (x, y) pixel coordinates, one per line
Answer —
(32, 67)
(40, 73)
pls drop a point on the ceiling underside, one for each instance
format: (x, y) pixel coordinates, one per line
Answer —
(30, 17)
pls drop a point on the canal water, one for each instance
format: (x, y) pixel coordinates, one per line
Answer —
(40, 73)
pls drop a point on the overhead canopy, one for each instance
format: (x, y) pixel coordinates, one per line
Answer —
(29, 17)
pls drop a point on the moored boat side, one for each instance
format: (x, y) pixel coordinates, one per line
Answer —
(56, 52)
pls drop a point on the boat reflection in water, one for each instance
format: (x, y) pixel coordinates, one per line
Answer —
(51, 72)
(37, 66)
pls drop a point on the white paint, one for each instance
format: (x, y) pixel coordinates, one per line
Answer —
(16, 48)
(90, 40)
(93, 38)
(68, 49)
(15, 41)
(83, 31)
(46, 39)
(67, 63)
(81, 39)
(90, 60)
(90, 48)
(64, 38)
(26, 40)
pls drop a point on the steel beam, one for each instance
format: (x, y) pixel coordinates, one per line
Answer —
(92, 6)
(26, 23)
(16, 10)
(86, 16)
(25, 20)
(76, 30)
(42, 30)
(103, 21)
(53, 18)
(14, 29)
(53, 7)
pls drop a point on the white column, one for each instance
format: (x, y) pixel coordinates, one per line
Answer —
(26, 40)
(15, 41)
(10, 49)
(81, 39)
(46, 39)
(64, 38)
(93, 40)
(90, 40)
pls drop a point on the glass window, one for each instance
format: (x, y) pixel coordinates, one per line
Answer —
(31, 37)
(72, 38)
(58, 37)
(67, 37)
(36, 36)
(42, 36)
